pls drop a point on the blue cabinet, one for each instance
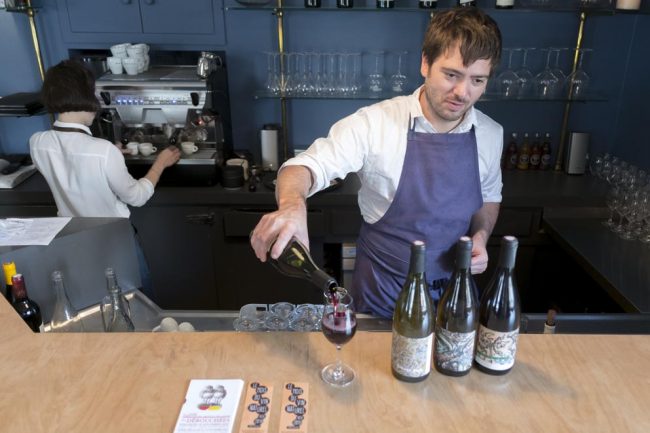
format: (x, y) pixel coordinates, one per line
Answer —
(92, 22)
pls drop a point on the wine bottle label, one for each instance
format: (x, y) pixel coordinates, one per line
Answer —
(454, 350)
(411, 357)
(496, 350)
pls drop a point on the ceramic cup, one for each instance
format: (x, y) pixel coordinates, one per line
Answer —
(132, 147)
(131, 65)
(119, 50)
(188, 147)
(115, 65)
(147, 149)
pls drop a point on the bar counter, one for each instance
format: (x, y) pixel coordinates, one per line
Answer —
(137, 382)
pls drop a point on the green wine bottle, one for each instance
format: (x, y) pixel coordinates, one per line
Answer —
(413, 322)
(457, 317)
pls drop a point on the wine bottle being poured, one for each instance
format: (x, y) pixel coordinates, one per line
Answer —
(295, 261)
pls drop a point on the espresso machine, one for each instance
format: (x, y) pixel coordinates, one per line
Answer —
(165, 106)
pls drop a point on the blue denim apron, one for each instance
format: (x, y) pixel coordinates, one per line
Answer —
(439, 190)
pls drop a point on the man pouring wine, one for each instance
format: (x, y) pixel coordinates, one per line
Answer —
(429, 165)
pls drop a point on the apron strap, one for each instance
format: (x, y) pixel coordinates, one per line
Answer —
(66, 129)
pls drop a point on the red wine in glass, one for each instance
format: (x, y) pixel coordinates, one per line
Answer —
(339, 328)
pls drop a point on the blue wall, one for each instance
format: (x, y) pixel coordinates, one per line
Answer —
(618, 67)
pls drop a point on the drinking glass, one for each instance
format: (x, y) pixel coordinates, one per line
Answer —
(339, 324)
(578, 80)
(272, 72)
(612, 200)
(251, 317)
(375, 79)
(546, 83)
(398, 80)
(508, 80)
(557, 70)
(524, 74)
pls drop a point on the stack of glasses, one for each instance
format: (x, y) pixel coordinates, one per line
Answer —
(628, 198)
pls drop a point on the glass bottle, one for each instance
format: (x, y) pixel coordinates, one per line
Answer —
(535, 153)
(29, 310)
(346, 4)
(64, 317)
(499, 315)
(413, 323)
(457, 317)
(312, 3)
(511, 153)
(545, 162)
(295, 261)
(115, 308)
(383, 4)
(523, 158)
(9, 269)
(465, 3)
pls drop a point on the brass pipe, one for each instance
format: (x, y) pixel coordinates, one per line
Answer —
(283, 101)
(29, 10)
(567, 106)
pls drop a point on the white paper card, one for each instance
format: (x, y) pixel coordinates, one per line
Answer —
(35, 231)
(210, 406)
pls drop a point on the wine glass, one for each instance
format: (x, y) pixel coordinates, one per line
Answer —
(525, 75)
(508, 80)
(376, 81)
(339, 323)
(578, 80)
(546, 83)
(398, 80)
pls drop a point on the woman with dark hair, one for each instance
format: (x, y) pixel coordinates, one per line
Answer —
(87, 175)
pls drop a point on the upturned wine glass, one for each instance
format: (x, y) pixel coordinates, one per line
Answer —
(524, 74)
(398, 80)
(578, 80)
(508, 80)
(546, 83)
(339, 325)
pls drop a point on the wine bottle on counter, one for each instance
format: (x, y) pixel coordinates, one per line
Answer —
(64, 316)
(413, 323)
(499, 315)
(312, 3)
(115, 309)
(427, 4)
(457, 317)
(27, 308)
(295, 261)
(505, 4)
(545, 161)
(345, 4)
(465, 3)
(9, 269)
(384, 4)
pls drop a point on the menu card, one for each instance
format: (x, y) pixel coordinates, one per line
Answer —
(210, 406)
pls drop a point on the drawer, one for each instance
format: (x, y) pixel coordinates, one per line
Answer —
(240, 222)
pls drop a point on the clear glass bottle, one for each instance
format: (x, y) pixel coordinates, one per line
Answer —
(413, 322)
(64, 316)
(115, 308)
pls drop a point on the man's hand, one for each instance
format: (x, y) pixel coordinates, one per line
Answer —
(168, 156)
(479, 255)
(290, 220)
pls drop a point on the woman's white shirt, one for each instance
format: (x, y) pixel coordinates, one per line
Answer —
(87, 175)
(372, 143)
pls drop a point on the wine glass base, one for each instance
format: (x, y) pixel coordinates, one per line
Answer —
(336, 376)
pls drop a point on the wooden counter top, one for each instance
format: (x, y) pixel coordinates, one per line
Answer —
(136, 383)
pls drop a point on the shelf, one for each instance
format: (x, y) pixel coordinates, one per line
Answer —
(367, 95)
(270, 7)
(22, 113)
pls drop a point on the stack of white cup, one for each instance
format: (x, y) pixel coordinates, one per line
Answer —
(133, 59)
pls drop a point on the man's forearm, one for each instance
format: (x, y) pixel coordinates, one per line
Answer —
(483, 221)
(292, 185)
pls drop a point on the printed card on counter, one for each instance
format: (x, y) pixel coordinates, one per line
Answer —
(257, 407)
(210, 406)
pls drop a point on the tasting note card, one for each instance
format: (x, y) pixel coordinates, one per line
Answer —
(210, 406)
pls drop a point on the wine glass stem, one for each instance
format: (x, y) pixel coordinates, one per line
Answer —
(338, 370)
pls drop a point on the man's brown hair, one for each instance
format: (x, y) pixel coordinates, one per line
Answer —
(69, 86)
(475, 33)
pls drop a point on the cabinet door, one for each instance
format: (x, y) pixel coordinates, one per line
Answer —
(104, 16)
(178, 243)
(246, 280)
(178, 16)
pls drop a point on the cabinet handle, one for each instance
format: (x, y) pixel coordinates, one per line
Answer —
(202, 218)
